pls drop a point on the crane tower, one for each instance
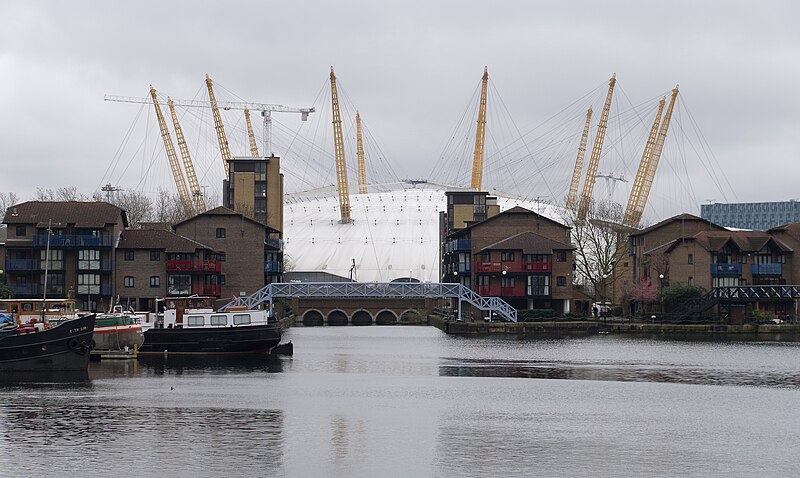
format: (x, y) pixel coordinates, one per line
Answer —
(341, 163)
(480, 135)
(594, 160)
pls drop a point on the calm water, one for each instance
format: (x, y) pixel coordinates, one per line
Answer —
(410, 401)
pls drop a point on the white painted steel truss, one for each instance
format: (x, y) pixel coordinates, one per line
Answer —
(496, 306)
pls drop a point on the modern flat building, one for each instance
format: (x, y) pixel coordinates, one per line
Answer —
(153, 264)
(757, 216)
(518, 255)
(73, 241)
(254, 187)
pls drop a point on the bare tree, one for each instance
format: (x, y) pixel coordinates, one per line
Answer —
(600, 242)
(138, 207)
(7, 200)
(66, 193)
(168, 208)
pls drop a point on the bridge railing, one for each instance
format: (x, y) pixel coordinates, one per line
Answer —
(401, 290)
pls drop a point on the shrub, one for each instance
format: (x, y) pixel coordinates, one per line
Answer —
(616, 311)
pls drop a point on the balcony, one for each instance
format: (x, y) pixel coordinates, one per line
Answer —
(196, 265)
(73, 241)
(462, 245)
(771, 269)
(22, 264)
(499, 267)
(26, 290)
(537, 266)
(87, 266)
(726, 269)
(276, 244)
(272, 267)
(207, 290)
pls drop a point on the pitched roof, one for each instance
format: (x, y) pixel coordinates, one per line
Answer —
(679, 217)
(745, 241)
(158, 239)
(529, 243)
(513, 210)
(224, 211)
(60, 213)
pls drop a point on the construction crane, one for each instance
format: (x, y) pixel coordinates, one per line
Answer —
(362, 164)
(251, 137)
(597, 148)
(480, 135)
(341, 163)
(194, 185)
(222, 138)
(266, 110)
(177, 174)
(658, 148)
(572, 197)
(644, 165)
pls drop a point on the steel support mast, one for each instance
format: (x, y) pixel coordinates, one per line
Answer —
(480, 136)
(644, 165)
(250, 135)
(341, 163)
(177, 174)
(194, 185)
(222, 138)
(597, 148)
(362, 163)
(572, 198)
(657, 150)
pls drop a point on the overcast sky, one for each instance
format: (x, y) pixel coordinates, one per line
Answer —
(411, 65)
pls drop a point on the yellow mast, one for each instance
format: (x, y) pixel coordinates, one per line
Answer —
(651, 171)
(572, 198)
(250, 135)
(480, 136)
(594, 160)
(341, 163)
(644, 165)
(222, 139)
(177, 174)
(194, 185)
(362, 166)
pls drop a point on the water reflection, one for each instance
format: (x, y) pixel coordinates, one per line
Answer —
(217, 364)
(43, 378)
(620, 372)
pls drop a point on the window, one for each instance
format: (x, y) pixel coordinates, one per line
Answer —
(155, 255)
(128, 255)
(222, 257)
(690, 281)
(55, 262)
(561, 256)
(781, 259)
(155, 281)
(222, 280)
(88, 284)
(219, 320)
(179, 284)
(194, 320)
(21, 231)
(538, 285)
(507, 282)
(690, 259)
(89, 260)
(561, 281)
(484, 257)
(128, 281)
(507, 257)
(241, 319)
(220, 232)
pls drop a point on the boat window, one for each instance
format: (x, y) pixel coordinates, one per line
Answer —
(3, 307)
(219, 320)
(241, 319)
(27, 307)
(194, 320)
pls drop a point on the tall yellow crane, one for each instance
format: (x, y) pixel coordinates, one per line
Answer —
(644, 166)
(638, 211)
(341, 163)
(222, 139)
(362, 163)
(177, 174)
(572, 197)
(194, 185)
(597, 148)
(250, 135)
(480, 135)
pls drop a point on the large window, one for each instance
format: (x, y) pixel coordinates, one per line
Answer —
(724, 281)
(507, 282)
(155, 255)
(56, 262)
(89, 284)
(194, 320)
(179, 284)
(89, 260)
(219, 320)
(538, 285)
(241, 319)
(55, 283)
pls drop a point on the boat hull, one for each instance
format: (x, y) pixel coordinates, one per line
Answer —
(118, 337)
(64, 348)
(251, 340)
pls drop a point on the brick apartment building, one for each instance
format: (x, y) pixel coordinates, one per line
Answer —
(251, 252)
(518, 255)
(81, 241)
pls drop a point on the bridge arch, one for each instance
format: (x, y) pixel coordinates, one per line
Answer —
(312, 318)
(386, 317)
(337, 317)
(361, 317)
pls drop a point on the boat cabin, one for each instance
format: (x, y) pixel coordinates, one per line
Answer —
(208, 318)
(23, 310)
